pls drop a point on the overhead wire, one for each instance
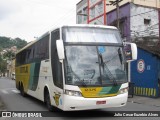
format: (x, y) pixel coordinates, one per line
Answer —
(60, 20)
(67, 13)
(44, 3)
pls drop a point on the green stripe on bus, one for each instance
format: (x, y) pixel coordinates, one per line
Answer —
(34, 76)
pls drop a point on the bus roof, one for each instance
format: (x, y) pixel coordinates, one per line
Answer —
(74, 25)
(32, 42)
(85, 25)
(29, 44)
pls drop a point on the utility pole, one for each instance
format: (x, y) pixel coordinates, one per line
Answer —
(116, 2)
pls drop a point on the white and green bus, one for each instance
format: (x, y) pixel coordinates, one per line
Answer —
(76, 67)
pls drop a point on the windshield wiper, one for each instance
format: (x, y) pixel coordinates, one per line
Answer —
(111, 77)
(81, 81)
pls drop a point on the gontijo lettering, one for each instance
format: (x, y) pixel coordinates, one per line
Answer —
(24, 69)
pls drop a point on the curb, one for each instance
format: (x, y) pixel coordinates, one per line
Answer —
(143, 103)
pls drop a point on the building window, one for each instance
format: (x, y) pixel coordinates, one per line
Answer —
(147, 21)
(121, 28)
(92, 2)
(85, 14)
(79, 17)
(100, 8)
(93, 12)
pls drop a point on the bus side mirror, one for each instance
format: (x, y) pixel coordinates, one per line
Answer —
(130, 51)
(60, 49)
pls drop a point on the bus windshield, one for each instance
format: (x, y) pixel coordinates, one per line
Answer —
(94, 65)
(89, 61)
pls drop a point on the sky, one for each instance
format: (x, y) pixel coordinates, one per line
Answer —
(29, 19)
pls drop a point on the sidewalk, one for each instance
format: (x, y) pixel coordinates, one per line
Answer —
(145, 100)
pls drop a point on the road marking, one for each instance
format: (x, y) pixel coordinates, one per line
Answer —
(15, 91)
(4, 91)
(7, 91)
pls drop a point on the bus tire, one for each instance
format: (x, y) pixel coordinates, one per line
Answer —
(19, 86)
(22, 91)
(48, 101)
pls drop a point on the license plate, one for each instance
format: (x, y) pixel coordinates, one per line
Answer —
(100, 102)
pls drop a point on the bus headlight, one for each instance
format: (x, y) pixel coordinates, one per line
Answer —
(73, 93)
(123, 90)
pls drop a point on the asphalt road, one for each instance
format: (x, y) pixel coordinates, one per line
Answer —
(15, 102)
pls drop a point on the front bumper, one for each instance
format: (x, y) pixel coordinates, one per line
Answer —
(72, 103)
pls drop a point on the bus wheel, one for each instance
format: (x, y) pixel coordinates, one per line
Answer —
(22, 90)
(48, 101)
(19, 85)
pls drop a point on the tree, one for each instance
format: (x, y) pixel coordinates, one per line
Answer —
(0, 49)
(9, 55)
(19, 43)
(6, 42)
(3, 65)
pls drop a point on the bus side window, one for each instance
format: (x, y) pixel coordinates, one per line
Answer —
(56, 65)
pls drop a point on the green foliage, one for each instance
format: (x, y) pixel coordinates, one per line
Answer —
(6, 42)
(3, 65)
(9, 55)
(1, 49)
(20, 43)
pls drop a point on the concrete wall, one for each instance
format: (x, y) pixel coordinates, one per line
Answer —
(138, 28)
(150, 3)
(134, 17)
